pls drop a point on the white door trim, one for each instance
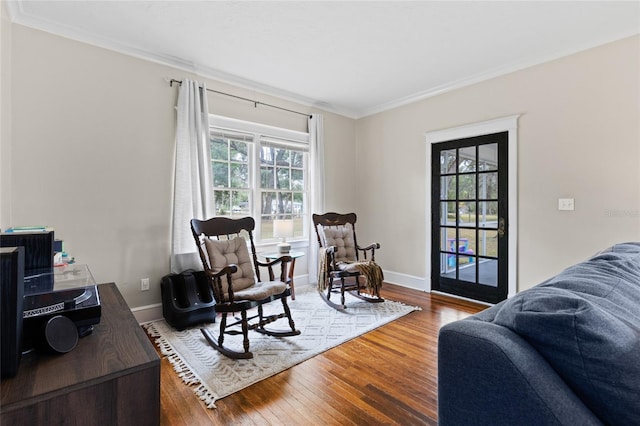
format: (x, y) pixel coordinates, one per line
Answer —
(505, 124)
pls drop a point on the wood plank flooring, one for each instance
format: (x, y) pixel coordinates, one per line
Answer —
(387, 376)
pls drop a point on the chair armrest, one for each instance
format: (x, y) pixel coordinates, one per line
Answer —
(216, 281)
(372, 248)
(283, 260)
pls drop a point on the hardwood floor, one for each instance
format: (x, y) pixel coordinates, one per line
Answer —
(387, 376)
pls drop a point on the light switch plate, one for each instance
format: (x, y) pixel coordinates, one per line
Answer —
(565, 204)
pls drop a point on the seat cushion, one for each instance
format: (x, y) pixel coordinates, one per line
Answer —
(341, 237)
(261, 290)
(586, 323)
(225, 252)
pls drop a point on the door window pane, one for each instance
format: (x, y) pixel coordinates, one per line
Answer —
(448, 215)
(488, 156)
(448, 161)
(467, 160)
(488, 214)
(488, 186)
(448, 239)
(467, 269)
(467, 241)
(448, 188)
(488, 243)
(467, 187)
(467, 214)
(488, 273)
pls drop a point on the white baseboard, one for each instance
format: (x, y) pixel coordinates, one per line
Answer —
(404, 280)
(147, 313)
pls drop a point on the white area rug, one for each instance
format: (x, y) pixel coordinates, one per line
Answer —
(215, 376)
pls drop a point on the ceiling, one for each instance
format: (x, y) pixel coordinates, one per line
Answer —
(355, 58)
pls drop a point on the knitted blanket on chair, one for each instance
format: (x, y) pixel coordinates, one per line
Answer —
(370, 270)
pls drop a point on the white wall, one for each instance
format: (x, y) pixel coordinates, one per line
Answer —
(5, 109)
(92, 148)
(579, 137)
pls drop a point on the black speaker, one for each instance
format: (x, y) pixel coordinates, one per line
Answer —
(60, 335)
(11, 305)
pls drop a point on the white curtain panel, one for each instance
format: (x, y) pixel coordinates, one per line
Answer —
(316, 140)
(193, 187)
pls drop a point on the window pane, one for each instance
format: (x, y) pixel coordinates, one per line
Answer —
(449, 241)
(297, 159)
(448, 188)
(298, 200)
(240, 203)
(488, 243)
(239, 175)
(448, 161)
(448, 213)
(488, 185)
(267, 155)
(488, 156)
(220, 174)
(467, 243)
(488, 273)
(267, 177)
(222, 202)
(219, 149)
(282, 176)
(281, 156)
(488, 214)
(467, 160)
(285, 204)
(268, 203)
(239, 151)
(297, 180)
(467, 187)
(467, 214)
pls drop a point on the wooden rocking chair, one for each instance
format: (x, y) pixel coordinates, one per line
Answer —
(340, 259)
(229, 269)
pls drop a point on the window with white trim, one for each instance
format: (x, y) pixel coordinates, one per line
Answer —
(260, 171)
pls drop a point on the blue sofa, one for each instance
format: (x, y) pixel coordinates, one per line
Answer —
(565, 352)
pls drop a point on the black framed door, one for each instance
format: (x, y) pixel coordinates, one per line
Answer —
(469, 217)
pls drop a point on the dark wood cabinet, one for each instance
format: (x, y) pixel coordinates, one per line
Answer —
(112, 377)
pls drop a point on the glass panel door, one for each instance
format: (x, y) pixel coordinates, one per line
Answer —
(469, 223)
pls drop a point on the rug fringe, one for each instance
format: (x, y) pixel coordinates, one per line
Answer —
(206, 396)
(180, 366)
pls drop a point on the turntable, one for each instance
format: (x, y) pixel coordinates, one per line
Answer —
(69, 291)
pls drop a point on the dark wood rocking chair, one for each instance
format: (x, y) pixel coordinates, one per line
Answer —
(340, 259)
(230, 272)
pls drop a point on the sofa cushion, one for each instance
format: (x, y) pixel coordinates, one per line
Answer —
(586, 323)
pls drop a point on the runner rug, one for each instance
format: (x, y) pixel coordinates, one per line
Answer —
(214, 376)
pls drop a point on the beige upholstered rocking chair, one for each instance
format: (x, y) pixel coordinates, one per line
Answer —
(236, 289)
(340, 259)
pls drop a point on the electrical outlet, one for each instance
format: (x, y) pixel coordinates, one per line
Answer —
(144, 284)
(565, 204)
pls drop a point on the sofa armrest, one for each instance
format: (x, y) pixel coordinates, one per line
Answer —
(488, 375)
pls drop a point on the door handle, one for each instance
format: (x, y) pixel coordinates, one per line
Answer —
(501, 226)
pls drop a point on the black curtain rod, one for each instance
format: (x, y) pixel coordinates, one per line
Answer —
(255, 103)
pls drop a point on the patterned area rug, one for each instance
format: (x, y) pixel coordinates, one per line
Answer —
(214, 376)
